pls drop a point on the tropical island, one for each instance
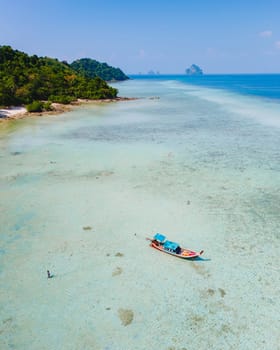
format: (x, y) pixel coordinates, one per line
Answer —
(194, 70)
(39, 82)
(91, 68)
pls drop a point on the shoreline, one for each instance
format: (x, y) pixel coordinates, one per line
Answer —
(20, 112)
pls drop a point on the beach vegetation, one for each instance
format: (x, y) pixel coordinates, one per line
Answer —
(63, 99)
(25, 79)
(35, 106)
(39, 106)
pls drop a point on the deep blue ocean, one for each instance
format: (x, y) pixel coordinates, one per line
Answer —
(261, 85)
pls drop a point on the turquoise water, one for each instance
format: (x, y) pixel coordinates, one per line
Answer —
(80, 192)
(259, 85)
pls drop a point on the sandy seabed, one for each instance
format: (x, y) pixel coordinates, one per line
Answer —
(15, 113)
(79, 197)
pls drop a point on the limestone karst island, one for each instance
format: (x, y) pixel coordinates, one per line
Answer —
(194, 70)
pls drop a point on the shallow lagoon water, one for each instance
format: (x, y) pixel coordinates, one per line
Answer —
(80, 192)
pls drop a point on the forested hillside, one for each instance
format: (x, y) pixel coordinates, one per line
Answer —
(24, 79)
(92, 68)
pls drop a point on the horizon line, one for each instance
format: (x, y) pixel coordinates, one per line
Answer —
(198, 75)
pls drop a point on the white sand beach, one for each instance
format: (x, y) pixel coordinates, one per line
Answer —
(12, 112)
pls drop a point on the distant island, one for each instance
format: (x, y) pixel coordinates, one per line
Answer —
(152, 72)
(37, 82)
(194, 70)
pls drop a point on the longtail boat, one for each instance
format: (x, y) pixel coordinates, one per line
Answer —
(160, 242)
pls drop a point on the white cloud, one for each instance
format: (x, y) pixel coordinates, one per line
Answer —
(265, 34)
(277, 44)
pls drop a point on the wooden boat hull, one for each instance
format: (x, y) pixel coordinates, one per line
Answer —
(184, 254)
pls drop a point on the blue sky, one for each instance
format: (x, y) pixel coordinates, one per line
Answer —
(238, 36)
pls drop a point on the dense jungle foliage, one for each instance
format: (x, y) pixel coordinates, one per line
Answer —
(24, 79)
(92, 68)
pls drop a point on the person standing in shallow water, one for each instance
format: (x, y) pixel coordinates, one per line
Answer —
(49, 274)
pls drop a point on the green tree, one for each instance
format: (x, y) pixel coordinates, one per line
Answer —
(91, 68)
(24, 79)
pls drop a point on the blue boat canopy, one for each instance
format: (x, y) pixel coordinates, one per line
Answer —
(159, 237)
(170, 245)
